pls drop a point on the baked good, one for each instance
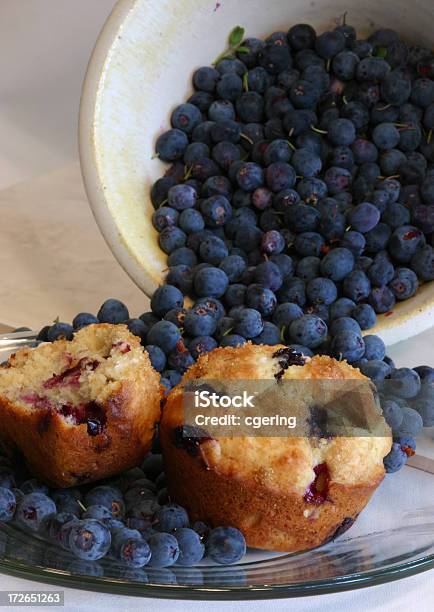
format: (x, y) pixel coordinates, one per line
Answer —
(284, 493)
(83, 409)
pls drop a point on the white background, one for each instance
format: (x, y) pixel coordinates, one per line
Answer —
(54, 262)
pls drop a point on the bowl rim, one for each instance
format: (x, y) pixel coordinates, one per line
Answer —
(97, 67)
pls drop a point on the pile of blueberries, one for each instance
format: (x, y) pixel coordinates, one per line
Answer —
(128, 519)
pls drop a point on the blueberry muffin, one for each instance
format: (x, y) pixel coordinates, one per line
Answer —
(284, 493)
(82, 409)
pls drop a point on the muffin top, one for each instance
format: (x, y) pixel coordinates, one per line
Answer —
(288, 463)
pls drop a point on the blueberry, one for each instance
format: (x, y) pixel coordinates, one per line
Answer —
(374, 347)
(309, 243)
(270, 335)
(404, 284)
(425, 408)
(277, 151)
(301, 36)
(211, 306)
(206, 78)
(249, 176)
(392, 412)
(364, 217)
(341, 132)
(165, 335)
(252, 46)
(185, 117)
(376, 370)
(156, 356)
(356, 286)
(83, 319)
(377, 239)
(304, 94)
(382, 299)
(107, 496)
(34, 510)
(284, 263)
(364, 314)
(426, 374)
(98, 512)
(137, 327)
(308, 268)
(160, 190)
(233, 340)
(381, 271)
(135, 552)
(59, 331)
(227, 130)
(226, 545)
(337, 264)
(201, 345)
(412, 422)
(308, 330)
(358, 114)
(372, 69)
(362, 48)
(344, 324)
(344, 65)
(275, 56)
(230, 86)
(293, 290)
(181, 197)
(329, 44)
(89, 539)
(43, 334)
(364, 151)
(321, 291)
(164, 550)
(347, 345)
(385, 136)
(305, 163)
(213, 250)
(211, 282)
(171, 238)
(112, 311)
(191, 548)
(395, 460)
(248, 323)
(311, 190)
(216, 210)
(199, 323)
(171, 145)
(8, 504)
(342, 307)
(268, 275)
(191, 220)
(404, 382)
(182, 256)
(261, 299)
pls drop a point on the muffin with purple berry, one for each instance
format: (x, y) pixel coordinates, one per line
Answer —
(80, 409)
(286, 493)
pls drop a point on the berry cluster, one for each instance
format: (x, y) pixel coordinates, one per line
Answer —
(129, 519)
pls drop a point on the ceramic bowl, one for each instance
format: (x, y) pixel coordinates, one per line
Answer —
(141, 68)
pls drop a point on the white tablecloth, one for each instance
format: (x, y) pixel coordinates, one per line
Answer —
(53, 261)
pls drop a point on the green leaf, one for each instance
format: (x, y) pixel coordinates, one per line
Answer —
(243, 50)
(236, 36)
(381, 52)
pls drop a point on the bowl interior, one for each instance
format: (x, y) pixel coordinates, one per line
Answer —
(141, 69)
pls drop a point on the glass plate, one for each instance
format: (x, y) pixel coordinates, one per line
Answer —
(392, 538)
